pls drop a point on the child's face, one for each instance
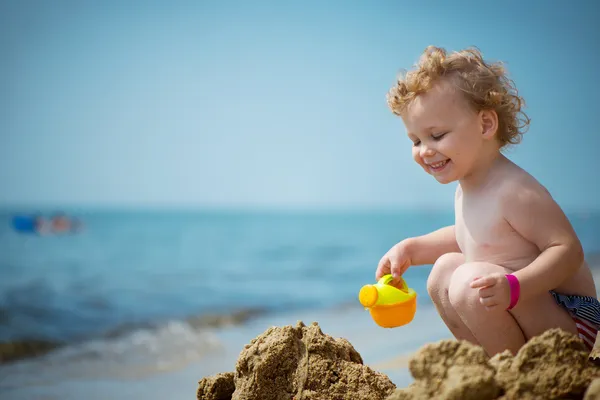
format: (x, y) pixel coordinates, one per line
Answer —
(446, 133)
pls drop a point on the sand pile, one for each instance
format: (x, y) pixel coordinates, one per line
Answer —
(303, 363)
(554, 365)
(297, 363)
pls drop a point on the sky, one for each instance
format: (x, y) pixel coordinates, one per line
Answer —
(271, 104)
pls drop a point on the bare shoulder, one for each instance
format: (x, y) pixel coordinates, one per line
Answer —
(529, 208)
(520, 188)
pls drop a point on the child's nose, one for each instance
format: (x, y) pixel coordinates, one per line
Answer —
(426, 151)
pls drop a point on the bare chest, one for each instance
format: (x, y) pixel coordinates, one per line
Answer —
(483, 234)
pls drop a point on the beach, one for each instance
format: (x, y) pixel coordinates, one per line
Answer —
(303, 362)
(175, 325)
(382, 350)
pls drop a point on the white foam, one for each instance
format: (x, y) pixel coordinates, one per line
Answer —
(134, 355)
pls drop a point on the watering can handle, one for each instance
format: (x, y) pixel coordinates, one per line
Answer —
(387, 280)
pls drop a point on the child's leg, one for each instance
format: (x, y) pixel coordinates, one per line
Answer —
(437, 287)
(498, 330)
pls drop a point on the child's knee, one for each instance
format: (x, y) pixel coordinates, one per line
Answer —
(441, 273)
(433, 285)
(460, 292)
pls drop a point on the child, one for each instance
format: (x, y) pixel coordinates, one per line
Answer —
(511, 267)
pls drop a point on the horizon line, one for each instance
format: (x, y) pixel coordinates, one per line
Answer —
(246, 208)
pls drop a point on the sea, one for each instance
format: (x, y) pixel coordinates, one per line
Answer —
(146, 303)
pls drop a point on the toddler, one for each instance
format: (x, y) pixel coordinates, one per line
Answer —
(511, 266)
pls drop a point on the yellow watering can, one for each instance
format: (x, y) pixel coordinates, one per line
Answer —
(390, 306)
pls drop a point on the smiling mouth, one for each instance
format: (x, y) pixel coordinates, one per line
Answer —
(438, 166)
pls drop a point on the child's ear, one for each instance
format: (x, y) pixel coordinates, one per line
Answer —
(489, 123)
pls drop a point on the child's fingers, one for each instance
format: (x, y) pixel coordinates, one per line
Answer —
(396, 270)
(486, 292)
(383, 267)
(482, 282)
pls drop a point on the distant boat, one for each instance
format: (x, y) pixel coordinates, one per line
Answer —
(26, 223)
(36, 224)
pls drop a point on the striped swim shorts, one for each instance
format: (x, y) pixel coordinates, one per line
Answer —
(585, 311)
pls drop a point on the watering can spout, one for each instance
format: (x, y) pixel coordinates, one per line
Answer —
(368, 295)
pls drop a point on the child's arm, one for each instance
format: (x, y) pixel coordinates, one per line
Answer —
(428, 248)
(418, 250)
(535, 215)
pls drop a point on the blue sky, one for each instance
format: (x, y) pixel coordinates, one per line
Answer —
(271, 104)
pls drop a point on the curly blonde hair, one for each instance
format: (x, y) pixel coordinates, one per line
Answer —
(484, 85)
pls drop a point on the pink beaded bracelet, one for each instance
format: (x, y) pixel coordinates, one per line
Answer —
(515, 290)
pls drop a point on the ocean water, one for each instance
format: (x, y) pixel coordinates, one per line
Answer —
(136, 293)
(137, 268)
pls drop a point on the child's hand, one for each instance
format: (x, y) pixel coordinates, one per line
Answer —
(494, 291)
(395, 262)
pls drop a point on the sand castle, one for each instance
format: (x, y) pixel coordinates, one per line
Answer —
(302, 362)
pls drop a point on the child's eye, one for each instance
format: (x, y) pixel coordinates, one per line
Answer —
(416, 142)
(438, 137)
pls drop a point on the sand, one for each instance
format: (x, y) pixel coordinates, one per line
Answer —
(554, 365)
(298, 362)
(302, 362)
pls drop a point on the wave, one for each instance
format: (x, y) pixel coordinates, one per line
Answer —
(128, 339)
(134, 355)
